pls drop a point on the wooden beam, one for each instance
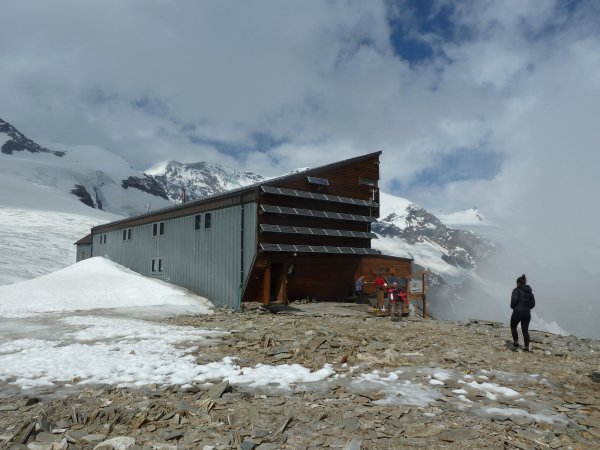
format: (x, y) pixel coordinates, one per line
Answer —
(282, 288)
(266, 287)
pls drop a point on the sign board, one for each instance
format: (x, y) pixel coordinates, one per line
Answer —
(416, 286)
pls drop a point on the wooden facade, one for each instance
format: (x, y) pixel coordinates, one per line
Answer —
(302, 235)
(384, 265)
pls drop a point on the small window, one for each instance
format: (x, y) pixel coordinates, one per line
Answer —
(127, 234)
(157, 265)
(207, 220)
(367, 182)
(197, 221)
(158, 229)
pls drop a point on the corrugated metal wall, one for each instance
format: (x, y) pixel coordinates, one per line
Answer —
(84, 251)
(207, 261)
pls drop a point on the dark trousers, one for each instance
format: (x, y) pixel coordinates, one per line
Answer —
(524, 317)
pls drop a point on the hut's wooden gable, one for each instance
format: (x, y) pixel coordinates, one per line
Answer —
(313, 232)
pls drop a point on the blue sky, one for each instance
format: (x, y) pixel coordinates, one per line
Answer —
(473, 103)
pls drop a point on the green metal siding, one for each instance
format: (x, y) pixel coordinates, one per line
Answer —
(87, 248)
(207, 261)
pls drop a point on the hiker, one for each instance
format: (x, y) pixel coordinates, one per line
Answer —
(403, 297)
(391, 297)
(379, 286)
(400, 306)
(522, 302)
(358, 289)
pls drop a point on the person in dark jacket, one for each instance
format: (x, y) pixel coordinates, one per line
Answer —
(522, 302)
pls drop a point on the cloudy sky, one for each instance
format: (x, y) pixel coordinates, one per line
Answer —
(494, 104)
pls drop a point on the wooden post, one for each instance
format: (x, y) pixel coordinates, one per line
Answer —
(380, 297)
(282, 288)
(266, 287)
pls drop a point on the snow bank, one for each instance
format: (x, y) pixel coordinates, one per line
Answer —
(93, 284)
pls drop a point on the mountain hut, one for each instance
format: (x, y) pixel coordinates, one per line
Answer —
(303, 235)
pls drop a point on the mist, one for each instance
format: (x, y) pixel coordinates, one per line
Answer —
(565, 292)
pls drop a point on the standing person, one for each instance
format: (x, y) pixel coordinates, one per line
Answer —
(359, 288)
(522, 302)
(404, 299)
(379, 285)
(396, 302)
(391, 297)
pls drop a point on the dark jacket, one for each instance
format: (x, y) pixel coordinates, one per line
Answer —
(522, 298)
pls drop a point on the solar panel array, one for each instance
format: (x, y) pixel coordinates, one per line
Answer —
(315, 196)
(316, 231)
(316, 213)
(318, 249)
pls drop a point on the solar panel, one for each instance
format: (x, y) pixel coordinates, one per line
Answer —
(268, 228)
(316, 213)
(315, 196)
(317, 249)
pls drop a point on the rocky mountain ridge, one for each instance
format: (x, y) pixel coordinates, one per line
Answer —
(199, 180)
(15, 141)
(463, 248)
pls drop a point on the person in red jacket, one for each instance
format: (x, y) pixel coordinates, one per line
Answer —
(404, 299)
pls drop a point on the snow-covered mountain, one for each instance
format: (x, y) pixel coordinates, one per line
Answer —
(87, 174)
(414, 225)
(199, 180)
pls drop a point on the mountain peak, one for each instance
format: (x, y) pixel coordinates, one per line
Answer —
(199, 179)
(12, 140)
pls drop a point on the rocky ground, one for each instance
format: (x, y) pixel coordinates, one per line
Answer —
(414, 384)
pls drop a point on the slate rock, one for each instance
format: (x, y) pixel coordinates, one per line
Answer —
(458, 435)
(217, 390)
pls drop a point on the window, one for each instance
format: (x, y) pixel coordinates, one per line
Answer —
(127, 234)
(103, 239)
(367, 182)
(319, 181)
(197, 221)
(207, 220)
(157, 265)
(158, 229)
